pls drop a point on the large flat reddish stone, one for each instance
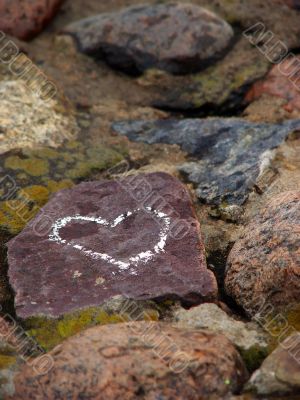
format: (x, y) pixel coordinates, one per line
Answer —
(137, 237)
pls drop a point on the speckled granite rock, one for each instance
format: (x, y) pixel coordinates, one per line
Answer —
(24, 18)
(232, 153)
(263, 266)
(280, 372)
(176, 37)
(130, 237)
(249, 338)
(282, 81)
(147, 360)
(27, 121)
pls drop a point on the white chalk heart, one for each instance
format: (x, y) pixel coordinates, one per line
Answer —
(144, 257)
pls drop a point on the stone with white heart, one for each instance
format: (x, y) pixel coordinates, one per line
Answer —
(135, 237)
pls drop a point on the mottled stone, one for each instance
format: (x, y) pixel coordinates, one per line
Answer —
(249, 338)
(232, 153)
(49, 332)
(138, 360)
(131, 237)
(30, 176)
(282, 81)
(27, 120)
(280, 372)
(220, 88)
(293, 4)
(263, 265)
(176, 37)
(24, 18)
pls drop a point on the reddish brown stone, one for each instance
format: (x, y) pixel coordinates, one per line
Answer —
(137, 360)
(25, 18)
(137, 237)
(282, 81)
(263, 266)
(293, 4)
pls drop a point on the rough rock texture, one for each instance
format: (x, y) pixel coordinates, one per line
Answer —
(30, 176)
(176, 37)
(282, 81)
(249, 338)
(24, 18)
(26, 120)
(280, 372)
(232, 153)
(129, 237)
(147, 360)
(220, 88)
(263, 266)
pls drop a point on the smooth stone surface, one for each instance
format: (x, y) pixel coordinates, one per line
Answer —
(24, 19)
(231, 153)
(280, 372)
(176, 37)
(138, 360)
(263, 265)
(137, 237)
(27, 121)
(249, 338)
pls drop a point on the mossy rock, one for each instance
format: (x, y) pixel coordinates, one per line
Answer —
(220, 87)
(49, 332)
(32, 175)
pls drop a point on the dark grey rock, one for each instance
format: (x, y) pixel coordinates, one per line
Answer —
(229, 153)
(176, 37)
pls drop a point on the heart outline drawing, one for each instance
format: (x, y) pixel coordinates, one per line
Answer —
(143, 257)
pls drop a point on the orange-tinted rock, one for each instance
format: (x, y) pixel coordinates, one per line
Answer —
(264, 264)
(24, 19)
(137, 237)
(282, 81)
(137, 360)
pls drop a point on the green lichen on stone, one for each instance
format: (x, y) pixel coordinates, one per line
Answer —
(49, 332)
(254, 356)
(7, 361)
(32, 166)
(282, 324)
(40, 172)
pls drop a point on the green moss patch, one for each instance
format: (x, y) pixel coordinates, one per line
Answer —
(38, 173)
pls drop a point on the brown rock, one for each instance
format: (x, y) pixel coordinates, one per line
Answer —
(24, 19)
(137, 237)
(137, 360)
(263, 266)
(280, 372)
(283, 81)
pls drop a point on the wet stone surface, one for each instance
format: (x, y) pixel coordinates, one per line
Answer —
(179, 38)
(130, 237)
(230, 153)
